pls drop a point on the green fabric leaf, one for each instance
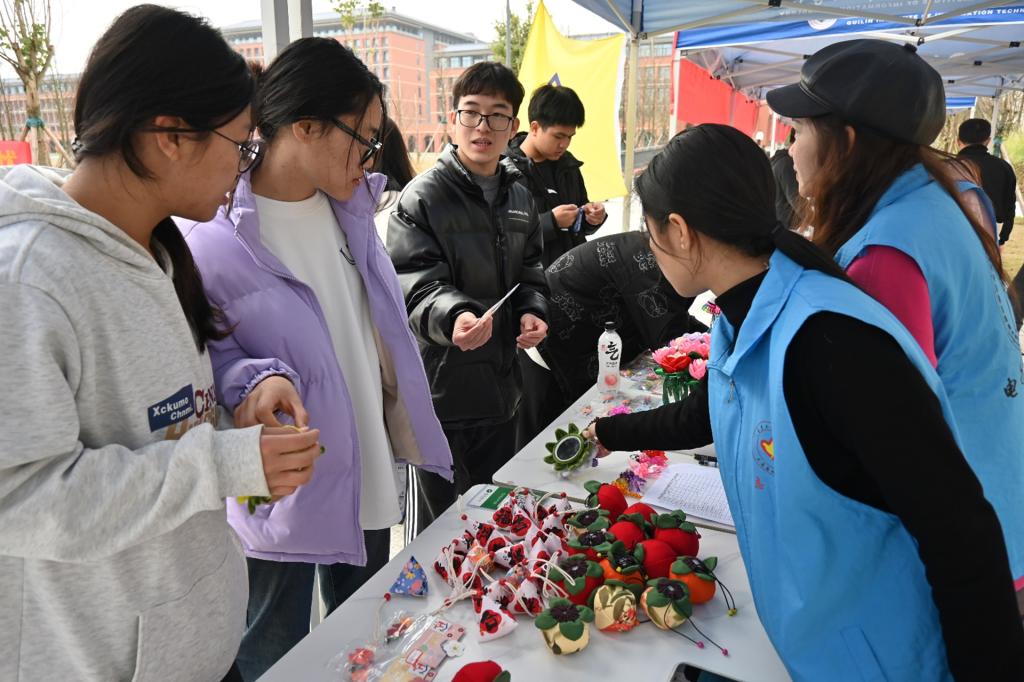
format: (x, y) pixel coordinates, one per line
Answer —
(679, 567)
(550, 446)
(545, 621)
(586, 615)
(503, 676)
(572, 630)
(573, 429)
(711, 562)
(655, 598)
(560, 434)
(639, 554)
(594, 570)
(592, 487)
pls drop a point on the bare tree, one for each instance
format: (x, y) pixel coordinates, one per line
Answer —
(25, 46)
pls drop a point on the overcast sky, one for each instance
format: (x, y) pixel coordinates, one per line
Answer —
(78, 23)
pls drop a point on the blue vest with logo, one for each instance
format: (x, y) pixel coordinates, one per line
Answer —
(838, 585)
(976, 340)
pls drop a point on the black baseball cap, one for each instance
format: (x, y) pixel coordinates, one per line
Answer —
(883, 86)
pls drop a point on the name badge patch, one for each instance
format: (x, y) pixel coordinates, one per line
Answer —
(171, 410)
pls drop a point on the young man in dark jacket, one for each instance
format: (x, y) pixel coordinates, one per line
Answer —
(611, 279)
(463, 234)
(997, 176)
(552, 174)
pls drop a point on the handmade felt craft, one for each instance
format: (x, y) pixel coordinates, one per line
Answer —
(411, 581)
(482, 671)
(629, 530)
(593, 543)
(478, 556)
(577, 576)
(642, 509)
(697, 575)
(564, 626)
(570, 450)
(477, 530)
(607, 497)
(622, 566)
(614, 608)
(511, 555)
(674, 530)
(667, 603)
(655, 556)
(495, 621)
(589, 519)
(527, 599)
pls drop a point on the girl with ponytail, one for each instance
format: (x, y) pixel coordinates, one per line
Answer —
(833, 437)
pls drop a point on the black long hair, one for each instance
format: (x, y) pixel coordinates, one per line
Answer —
(313, 78)
(154, 61)
(721, 183)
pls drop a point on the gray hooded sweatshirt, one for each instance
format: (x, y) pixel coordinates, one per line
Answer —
(116, 559)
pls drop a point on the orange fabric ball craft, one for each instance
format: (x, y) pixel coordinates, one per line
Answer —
(621, 567)
(697, 575)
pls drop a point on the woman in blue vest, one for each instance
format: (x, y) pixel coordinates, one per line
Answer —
(871, 550)
(888, 208)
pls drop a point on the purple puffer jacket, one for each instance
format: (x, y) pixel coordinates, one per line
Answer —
(280, 329)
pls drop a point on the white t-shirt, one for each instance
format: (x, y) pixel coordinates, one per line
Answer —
(306, 238)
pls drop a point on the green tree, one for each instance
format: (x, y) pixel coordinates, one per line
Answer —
(520, 32)
(25, 46)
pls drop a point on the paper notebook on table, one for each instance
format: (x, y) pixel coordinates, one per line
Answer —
(695, 489)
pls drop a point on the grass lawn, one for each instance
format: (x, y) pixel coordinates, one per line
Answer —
(1013, 250)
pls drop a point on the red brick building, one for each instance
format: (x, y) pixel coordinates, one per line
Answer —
(416, 61)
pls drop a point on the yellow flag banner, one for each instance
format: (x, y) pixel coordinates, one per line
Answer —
(593, 68)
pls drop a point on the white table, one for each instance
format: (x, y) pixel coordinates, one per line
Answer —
(644, 654)
(528, 469)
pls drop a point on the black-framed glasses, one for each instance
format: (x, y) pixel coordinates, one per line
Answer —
(373, 145)
(496, 122)
(248, 151)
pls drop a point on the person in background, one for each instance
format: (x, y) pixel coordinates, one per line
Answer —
(888, 208)
(830, 470)
(787, 194)
(997, 176)
(463, 235)
(394, 163)
(318, 333)
(610, 279)
(116, 560)
(552, 173)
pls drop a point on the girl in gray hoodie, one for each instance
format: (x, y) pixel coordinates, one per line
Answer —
(116, 560)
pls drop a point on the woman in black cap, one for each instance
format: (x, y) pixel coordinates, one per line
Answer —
(856, 569)
(887, 207)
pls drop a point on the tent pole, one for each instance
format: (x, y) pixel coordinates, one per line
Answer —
(673, 125)
(996, 111)
(775, 124)
(631, 96)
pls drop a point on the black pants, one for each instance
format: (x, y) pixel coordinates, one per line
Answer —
(280, 600)
(477, 453)
(542, 404)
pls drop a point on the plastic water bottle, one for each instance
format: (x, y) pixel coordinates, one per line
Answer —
(609, 352)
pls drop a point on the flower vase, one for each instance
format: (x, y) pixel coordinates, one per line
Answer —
(675, 386)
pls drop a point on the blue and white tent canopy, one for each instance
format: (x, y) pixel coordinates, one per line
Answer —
(759, 44)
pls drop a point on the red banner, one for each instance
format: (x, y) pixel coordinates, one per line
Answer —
(703, 99)
(13, 152)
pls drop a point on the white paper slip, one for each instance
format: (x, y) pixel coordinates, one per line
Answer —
(493, 308)
(695, 489)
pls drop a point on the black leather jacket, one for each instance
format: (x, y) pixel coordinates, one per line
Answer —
(453, 252)
(568, 189)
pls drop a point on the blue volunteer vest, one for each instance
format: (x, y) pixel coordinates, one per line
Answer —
(976, 340)
(838, 585)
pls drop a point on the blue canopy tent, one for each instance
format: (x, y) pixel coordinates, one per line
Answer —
(958, 103)
(759, 44)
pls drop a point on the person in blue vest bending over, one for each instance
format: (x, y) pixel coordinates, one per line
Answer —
(887, 207)
(871, 551)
